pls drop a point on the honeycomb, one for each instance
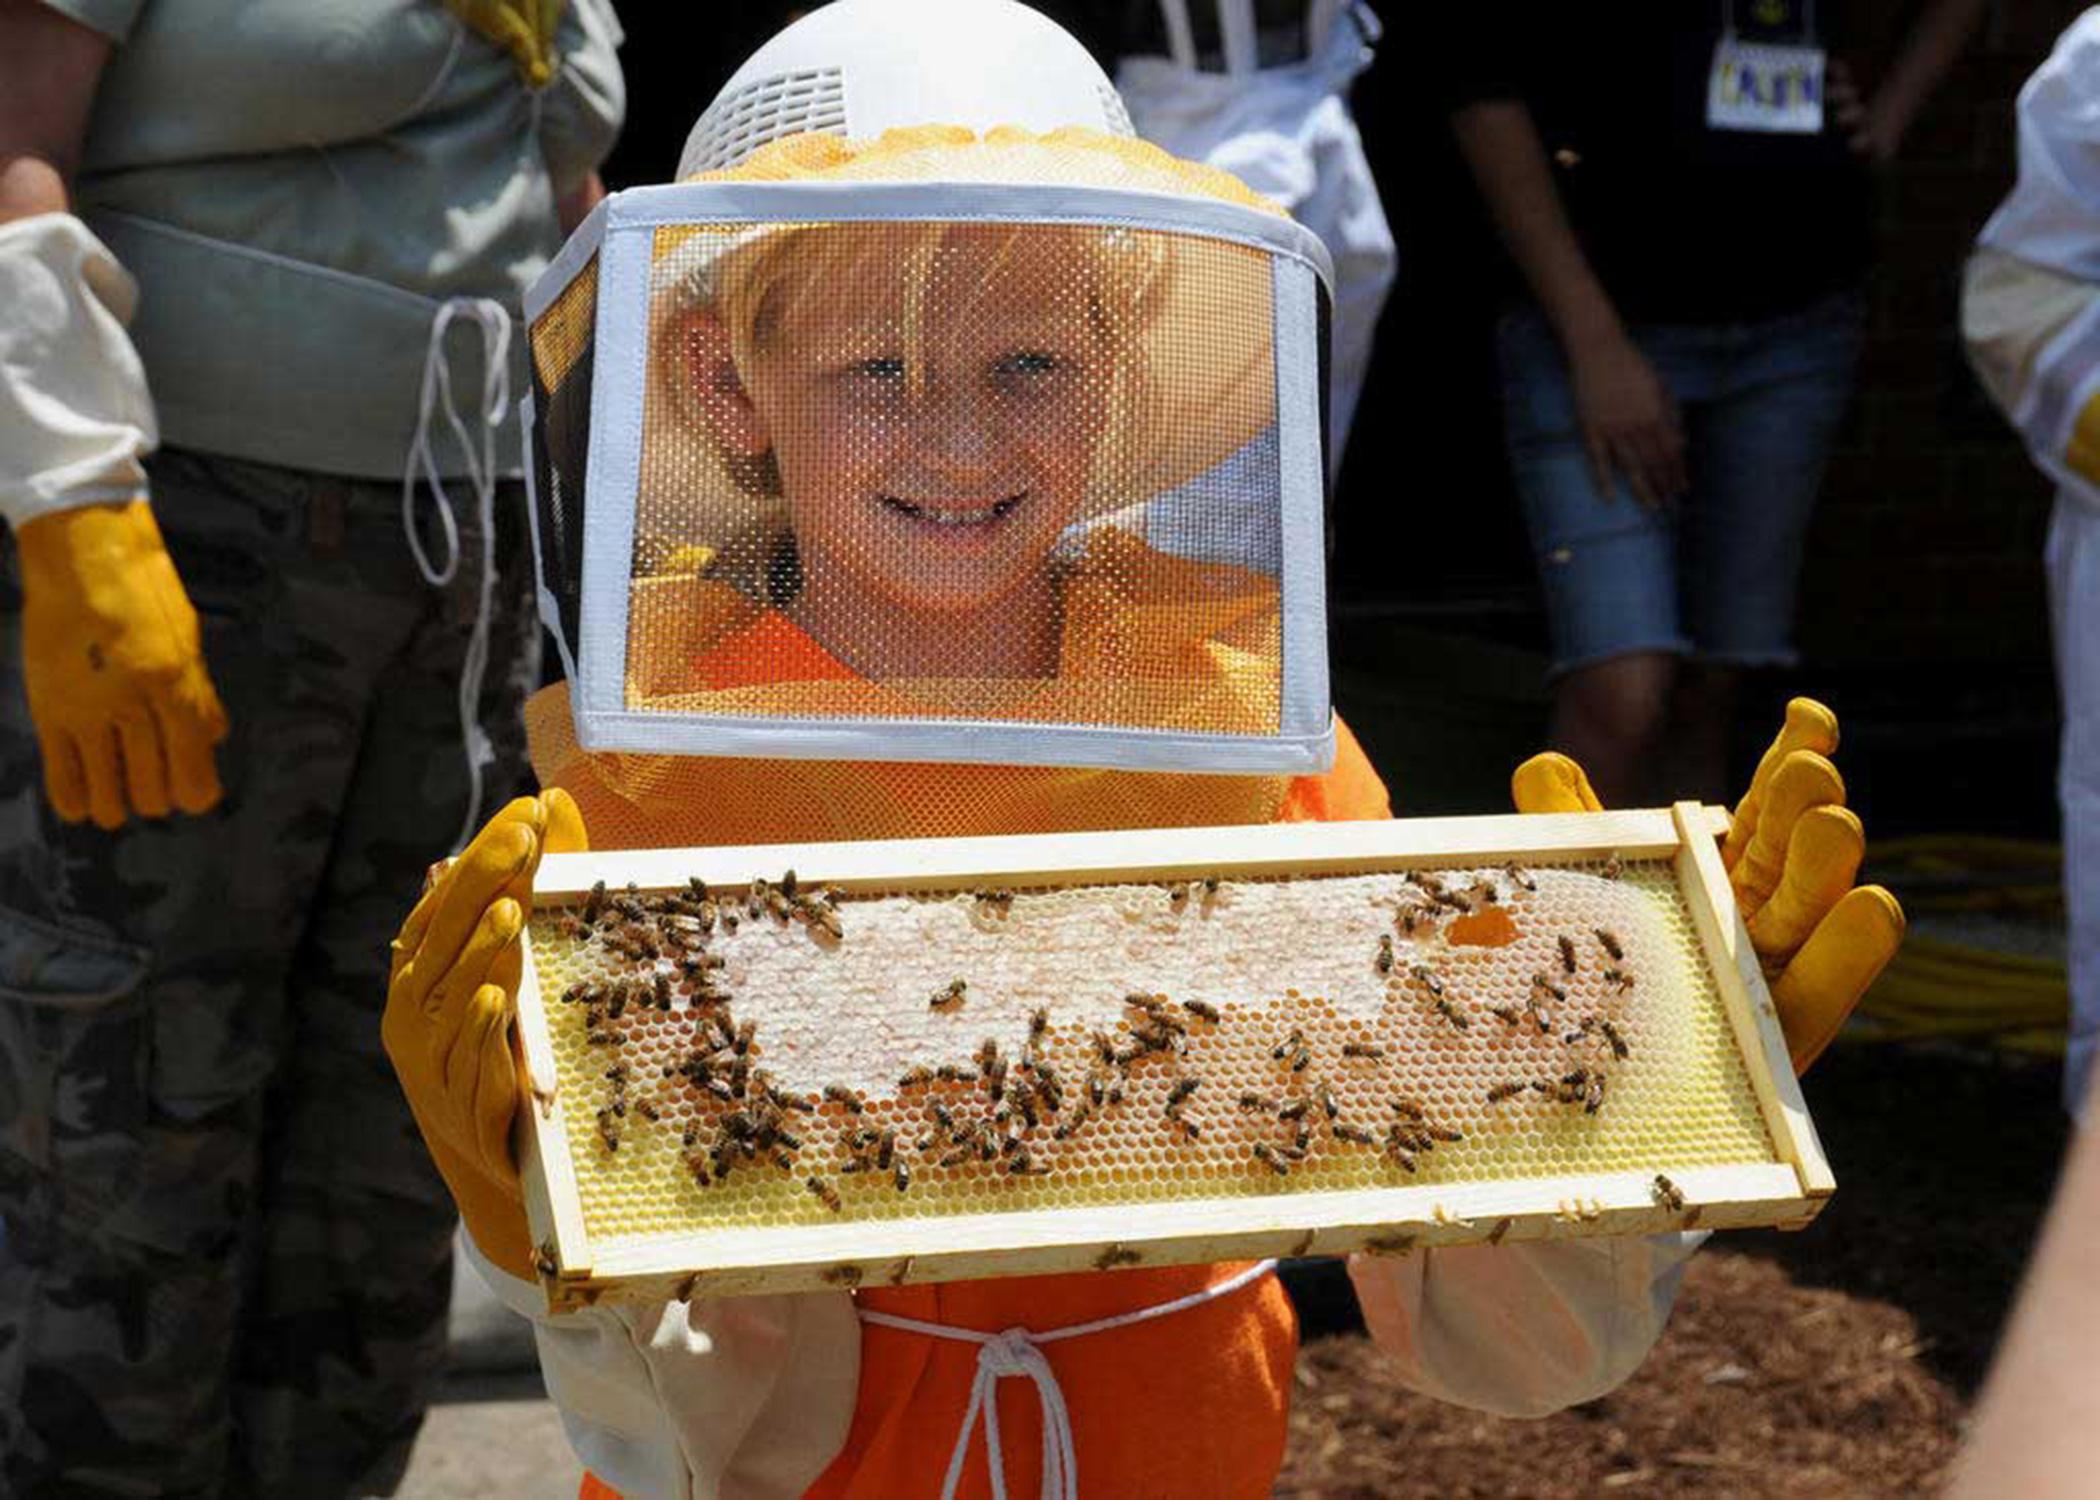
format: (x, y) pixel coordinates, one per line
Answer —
(1129, 1043)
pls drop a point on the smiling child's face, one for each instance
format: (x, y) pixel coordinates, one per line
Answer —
(932, 447)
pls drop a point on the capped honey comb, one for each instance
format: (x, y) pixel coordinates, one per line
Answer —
(770, 1055)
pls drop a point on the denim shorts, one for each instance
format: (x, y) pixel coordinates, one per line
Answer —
(1714, 575)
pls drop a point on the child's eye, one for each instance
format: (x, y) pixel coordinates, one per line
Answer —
(1028, 362)
(886, 367)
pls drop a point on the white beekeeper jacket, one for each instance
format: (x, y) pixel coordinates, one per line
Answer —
(2031, 319)
(750, 1398)
(1285, 132)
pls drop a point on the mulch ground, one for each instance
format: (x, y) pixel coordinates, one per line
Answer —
(1838, 1361)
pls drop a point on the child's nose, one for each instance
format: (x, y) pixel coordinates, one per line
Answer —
(956, 433)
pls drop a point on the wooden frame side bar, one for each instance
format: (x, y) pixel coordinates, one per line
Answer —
(553, 1206)
(1726, 939)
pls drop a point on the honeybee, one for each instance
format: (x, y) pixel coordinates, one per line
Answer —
(788, 885)
(1351, 1134)
(1210, 885)
(820, 917)
(834, 896)
(1407, 1109)
(729, 919)
(957, 1157)
(1443, 1133)
(886, 1149)
(1610, 941)
(1541, 984)
(1619, 1049)
(1096, 1089)
(1178, 895)
(1268, 1156)
(1509, 1015)
(1288, 1045)
(1594, 1099)
(916, 1078)
(1567, 953)
(1502, 1091)
(1202, 1009)
(1413, 915)
(1396, 1147)
(1116, 1255)
(1185, 1125)
(543, 1260)
(845, 1276)
(1668, 1194)
(755, 896)
(605, 1039)
(744, 1033)
(1520, 878)
(901, 1176)
(1072, 1122)
(1459, 1019)
(1324, 1097)
(648, 1110)
(1253, 1103)
(594, 903)
(1038, 1023)
(838, 1093)
(949, 997)
(1618, 979)
(1182, 1088)
(1426, 977)
(1384, 961)
(696, 1163)
(1369, 1051)
(609, 1127)
(1293, 1109)
(1614, 868)
(955, 1073)
(1302, 1061)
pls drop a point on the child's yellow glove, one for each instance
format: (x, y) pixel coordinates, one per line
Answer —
(1792, 854)
(126, 716)
(449, 1005)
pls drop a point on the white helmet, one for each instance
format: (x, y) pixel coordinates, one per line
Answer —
(855, 68)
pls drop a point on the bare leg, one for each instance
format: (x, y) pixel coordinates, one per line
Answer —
(1701, 728)
(1610, 717)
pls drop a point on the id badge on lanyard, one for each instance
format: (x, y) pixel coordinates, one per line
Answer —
(1772, 87)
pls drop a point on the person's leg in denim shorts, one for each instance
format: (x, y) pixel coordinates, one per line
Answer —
(1759, 447)
(1607, 563)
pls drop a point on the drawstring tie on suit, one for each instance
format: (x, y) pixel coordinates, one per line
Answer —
(1018, 1352)
(421, 477)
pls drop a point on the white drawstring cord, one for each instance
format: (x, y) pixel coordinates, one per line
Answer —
(493, 319)
(1017, 1352)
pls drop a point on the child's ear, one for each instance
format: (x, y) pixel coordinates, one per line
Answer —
(711, 376)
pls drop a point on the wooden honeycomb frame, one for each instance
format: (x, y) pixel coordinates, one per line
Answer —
(1786, 1191)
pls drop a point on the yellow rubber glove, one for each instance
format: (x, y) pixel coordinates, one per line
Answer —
(126, 716)
(1792, 854)
(450, 1002)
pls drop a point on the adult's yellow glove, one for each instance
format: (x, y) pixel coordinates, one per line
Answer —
(126, 716)
(1792, 854)
(450, 1002)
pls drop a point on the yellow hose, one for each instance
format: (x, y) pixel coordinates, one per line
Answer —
(1939, 987)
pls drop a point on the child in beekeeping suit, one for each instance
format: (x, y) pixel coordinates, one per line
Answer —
(944, 528)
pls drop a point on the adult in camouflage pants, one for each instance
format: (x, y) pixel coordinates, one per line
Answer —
(227, 1256)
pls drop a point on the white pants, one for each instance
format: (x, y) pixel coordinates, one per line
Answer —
(2073, 559)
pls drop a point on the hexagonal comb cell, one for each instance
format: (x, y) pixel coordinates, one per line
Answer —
(778, 1056)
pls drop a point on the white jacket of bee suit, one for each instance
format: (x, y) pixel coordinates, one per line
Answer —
(750, 1398)
(1286, 132)
(2031, 319)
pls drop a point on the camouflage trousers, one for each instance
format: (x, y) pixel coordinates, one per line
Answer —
(225, 1257)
